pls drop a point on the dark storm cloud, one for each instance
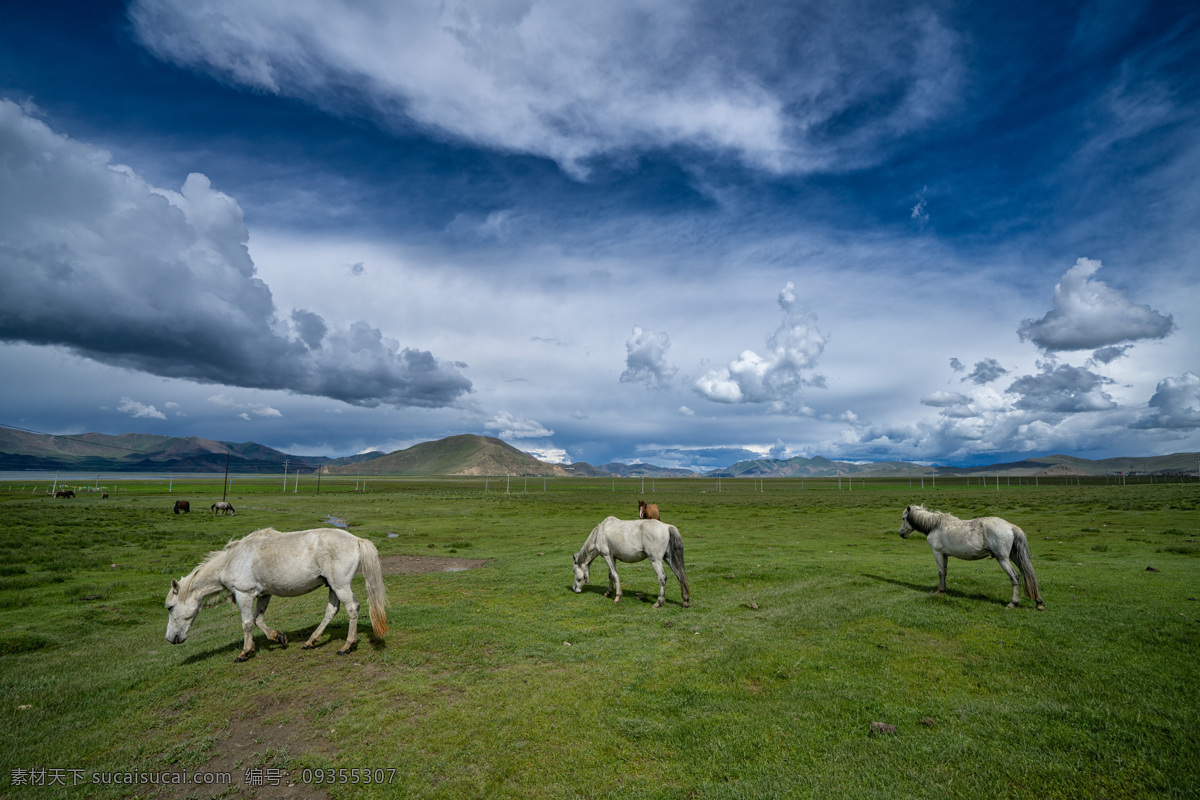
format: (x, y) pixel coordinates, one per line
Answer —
(100, 262)
(985, 372)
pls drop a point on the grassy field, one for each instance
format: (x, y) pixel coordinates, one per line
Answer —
(810, 620)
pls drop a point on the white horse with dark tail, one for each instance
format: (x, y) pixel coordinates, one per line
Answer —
(972, 539)
(629, 541)
(270, 562)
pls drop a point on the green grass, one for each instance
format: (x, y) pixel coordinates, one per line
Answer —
(499, 682)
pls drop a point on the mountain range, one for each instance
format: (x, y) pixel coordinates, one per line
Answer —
(468, 454)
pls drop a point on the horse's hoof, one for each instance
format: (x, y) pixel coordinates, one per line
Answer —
(1041, 606)
(282, 639)
(308, 646)
(1011, 605)
(241, 658)
(686, 604)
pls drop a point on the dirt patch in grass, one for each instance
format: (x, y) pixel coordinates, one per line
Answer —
(420, 565)
(265, 740)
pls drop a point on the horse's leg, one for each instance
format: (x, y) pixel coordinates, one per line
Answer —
(246, 604)
(941, 559)
(662, 581)
(614, 580)
(330, 610)
(260, 620)
(1007, 566)
(347, 598)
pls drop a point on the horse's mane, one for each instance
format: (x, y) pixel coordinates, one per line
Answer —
(927, 518)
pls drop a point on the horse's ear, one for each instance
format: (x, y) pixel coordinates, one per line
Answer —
(174, 586)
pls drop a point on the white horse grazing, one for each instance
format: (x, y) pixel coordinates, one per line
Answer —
(222, 507)
(270, 562)
(972, 539)
(630, 541)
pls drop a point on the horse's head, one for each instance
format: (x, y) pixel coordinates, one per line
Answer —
(181, 613)
(582, 573)
(905, 524)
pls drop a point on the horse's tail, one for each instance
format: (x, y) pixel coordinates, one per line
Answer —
(372, 570)
(1020, 555)
(674, 557)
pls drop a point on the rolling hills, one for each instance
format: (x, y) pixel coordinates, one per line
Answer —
(469, 454)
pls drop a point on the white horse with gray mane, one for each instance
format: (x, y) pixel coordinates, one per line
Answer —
(630, 541)
(270, 562)
(972, 539)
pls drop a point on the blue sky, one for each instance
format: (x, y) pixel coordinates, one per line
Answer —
(684, 233)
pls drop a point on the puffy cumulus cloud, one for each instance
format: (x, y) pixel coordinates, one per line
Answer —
(778, 377)
(1090, 314)
(1175, 404)
(985, 372)
(646, 359)
(116, 270)
(139, 410)
(1062, 389)
(514, 426)
(550, 455)
(785, 86)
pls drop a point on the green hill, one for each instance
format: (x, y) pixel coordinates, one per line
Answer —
(139, 452)
(466, 454)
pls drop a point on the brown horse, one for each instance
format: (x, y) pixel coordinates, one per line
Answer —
(64, 493)
(183, 506)
(647, 510)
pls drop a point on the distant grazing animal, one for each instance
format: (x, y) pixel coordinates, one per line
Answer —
(181, 506)
(629, 541)
(223, 507)
(104, 496)
(647, 510)
(288, 564)
(64, 493)
(973, 539)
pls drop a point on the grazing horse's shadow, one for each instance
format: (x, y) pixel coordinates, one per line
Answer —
(917, 587)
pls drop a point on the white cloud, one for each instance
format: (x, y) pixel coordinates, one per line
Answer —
(778, 377)
(1089, 314)
(776, 86)
(223, 400)
(117, 270)
(1175, 404)
(646, 359)
(550, 455)
(139, 410)
(514, 426)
